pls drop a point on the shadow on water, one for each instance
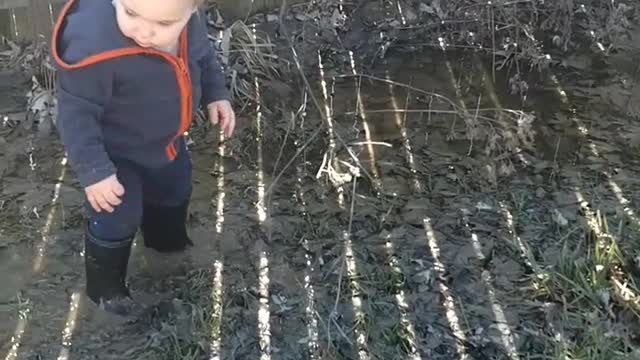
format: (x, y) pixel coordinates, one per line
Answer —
(556, 138)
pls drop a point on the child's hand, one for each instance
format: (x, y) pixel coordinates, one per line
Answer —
(105, 195)
(222, 112)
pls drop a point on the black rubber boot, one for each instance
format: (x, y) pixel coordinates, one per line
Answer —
(106, 271)
(164, 229)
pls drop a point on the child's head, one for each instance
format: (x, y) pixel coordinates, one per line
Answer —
(154, 23)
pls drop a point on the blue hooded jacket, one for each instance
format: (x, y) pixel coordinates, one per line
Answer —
(117, 100)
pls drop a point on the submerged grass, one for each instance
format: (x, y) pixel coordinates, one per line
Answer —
(593, 320)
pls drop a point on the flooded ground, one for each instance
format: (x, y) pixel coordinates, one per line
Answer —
(432, 215)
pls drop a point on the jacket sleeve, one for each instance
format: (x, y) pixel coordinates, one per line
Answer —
(82, 95)
(213, 80)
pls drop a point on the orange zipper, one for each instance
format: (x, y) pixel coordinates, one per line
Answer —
(184, 84)
(179, 63)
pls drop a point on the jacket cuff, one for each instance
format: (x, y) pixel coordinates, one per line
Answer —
(214, 92)
(88, 177)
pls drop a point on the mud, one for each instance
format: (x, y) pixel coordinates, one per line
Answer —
(423, 260)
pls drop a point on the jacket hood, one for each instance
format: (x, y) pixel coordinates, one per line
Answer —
(86, 33)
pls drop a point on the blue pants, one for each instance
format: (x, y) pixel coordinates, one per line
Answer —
(167, 186)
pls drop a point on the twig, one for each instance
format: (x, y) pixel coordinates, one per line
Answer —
(284, 142)
(430, 105)
(380, 143)
(293, 158)
(342, 265)
(353, 202)
(314, 98)
(452, 112)
(339, 328)
(475, 120)
(395, 83)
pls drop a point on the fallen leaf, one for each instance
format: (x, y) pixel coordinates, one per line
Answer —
(559, 219)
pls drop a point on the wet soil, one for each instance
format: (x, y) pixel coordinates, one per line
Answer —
(423, 260)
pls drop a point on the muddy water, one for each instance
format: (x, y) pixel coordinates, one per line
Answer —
(391, 109)
(420, 262)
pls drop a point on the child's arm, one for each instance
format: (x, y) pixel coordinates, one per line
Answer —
(82, 95)
(215, 96)
(213, 81)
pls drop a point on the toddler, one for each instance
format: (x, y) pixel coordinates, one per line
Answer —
(130, 75)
